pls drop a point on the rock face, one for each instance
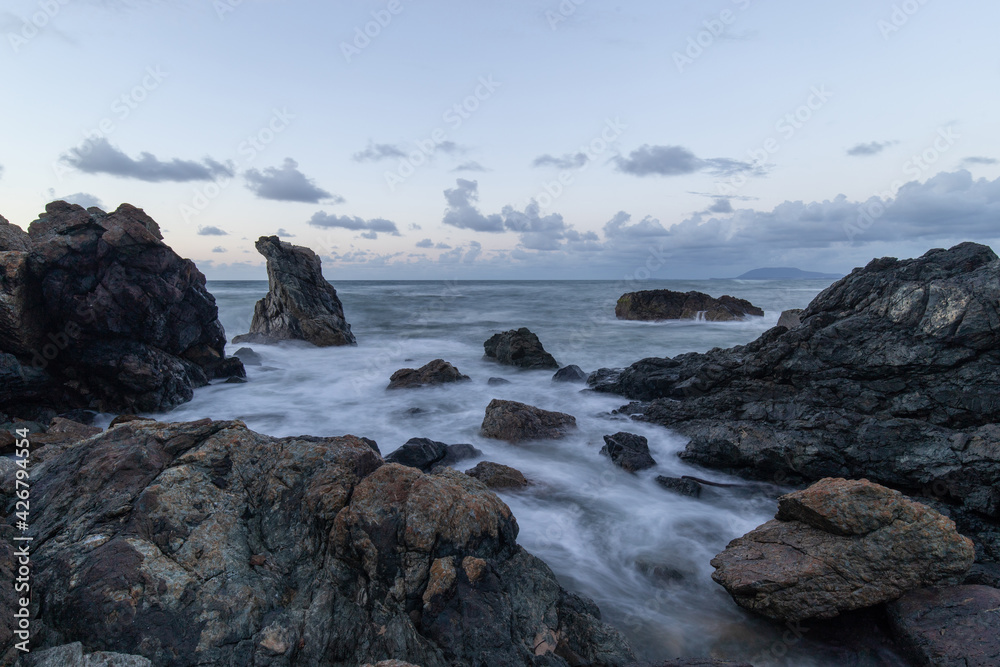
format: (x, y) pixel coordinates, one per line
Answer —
(893, 374)
(628, 451)
(497, 476)
(664, 304)
(516, 422)
(518, 347)
(436, 372)
(838, 546)
(72, 655)
(206, 543)
(300, 304)
(791, 318)
(99, 313)
(949, 626)
(425, 454)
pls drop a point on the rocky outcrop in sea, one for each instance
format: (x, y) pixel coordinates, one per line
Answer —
(664, 304)
(518, 347)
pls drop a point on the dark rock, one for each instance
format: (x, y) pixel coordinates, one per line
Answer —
(426, 454)
(570, 373)
(456, 453)
(628, 451)
(62, 431)
(236, 380)
(949, 626)
(791, 318)
(700, 662)
(300, 304)
(496, 382)
(685, 487)
(145, 536)
(838, 546)
(664, 304)
(13, 237)
(516, 422)
(72, 655)
(983, 574)
(85, 417)
(248, 356)
(518, 347)
(497, 476)
(436, 372)
(893, 374)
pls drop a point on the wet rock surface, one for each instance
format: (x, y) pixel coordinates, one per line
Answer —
(497, 476)
(516, 422)
(435, 372)
(425, 454)
(628, 451)
(518, 347)
(664, 304)
(570, 373)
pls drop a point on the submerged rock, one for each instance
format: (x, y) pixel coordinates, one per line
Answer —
(518, 347)
(248, 356)
(496, 382)
(497, 476)
(516, 422)
(207, 543)
(570, 373)
(436, 372)
(628, 451)
(679, 485)
(300, 304)
(838, 546)
(664, 304)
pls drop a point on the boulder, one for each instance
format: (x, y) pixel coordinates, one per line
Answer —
(791, 318)
(628, 451)
(300, 304)
(841, 545)
(207, 543)
(248, 356)
(518, 347)
(893, 374)
(425, 454)
(570, 373)
(436, 372)
(496, 382)
(954, 626)
(13, 237)
(497, 476)
(516, 422)
(680, 485)
(62, 430)
(664, 304)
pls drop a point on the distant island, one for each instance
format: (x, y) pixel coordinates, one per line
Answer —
(787, 273)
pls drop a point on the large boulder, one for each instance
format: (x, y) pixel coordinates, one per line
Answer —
(838, 546)
(435, 372)
(628, 451)
(893, 374)
(207, 543)
(664, 304)
(300, 304)
(516, 422)
(99, 313)
(518, 347)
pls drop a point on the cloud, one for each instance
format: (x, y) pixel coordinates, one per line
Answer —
(98, 156)
(650, 160)
(1, 171)
(84, 199)
(286, 183)
(567, 161)
(450, 148)
(376, 152)
(721, 205)
(414, 227)
(471, 165)
(871, 148)
(442, 246)
(369, 228)
(979, 161)
(212, 231)
(426, 243)
(284, 233)
(462, 211)
(218, 248)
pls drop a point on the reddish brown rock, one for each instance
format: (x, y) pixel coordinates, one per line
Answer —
(497, 476)
(436, 372)
(956, 626)
(657, 305)
(517, 422)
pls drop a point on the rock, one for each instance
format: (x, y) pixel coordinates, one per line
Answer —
(248, 356)
(893, 375)
(62, 431)
(13, 237)
(516, 422)
(497, 476)
(841, 545)
(663, 304)
(519, 348)
(570, 373)
(949, 626)
(72, 655)
(424, 454)
(700, 662)
(111, 318)
(628, 451)
(791, 318)
(984, 574)
(496, 382)
(436, 372)
(206, 543)
(124, 419)
(685, 487)
(391, 663)
(300, 304)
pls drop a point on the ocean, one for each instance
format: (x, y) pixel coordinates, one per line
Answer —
(642, 553)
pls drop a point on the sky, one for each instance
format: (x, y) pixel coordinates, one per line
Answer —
(572, 139)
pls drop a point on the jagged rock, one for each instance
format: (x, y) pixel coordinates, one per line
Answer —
(436, 372)
(13, 237)
(791, 318)
(72, 655)
(248, 356)
(893, 374)
(838, 546)
(571, 373)
(955, 626)
(124, 419)
(497, 476)
(664, 304)
(700, 662)
(628, 451)
(391, 663)
(425, 454)
(64, 431)
(300, 304)
(207, 543)
(518, 347)
(684, 487)
(516, 422)
(496, 382)
(984, 574)
(111, 318)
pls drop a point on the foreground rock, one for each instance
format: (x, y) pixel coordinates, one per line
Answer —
(436, 372)
(72, 655)
(841, 545)
(949, 626)
(664, 304)
(497, 476)
(97, 312)
(206, 543)
(628, 451)
(893, 374)
(300, 304)
(791, 318)
(518, 347)
(425, 454)
(516, 422)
